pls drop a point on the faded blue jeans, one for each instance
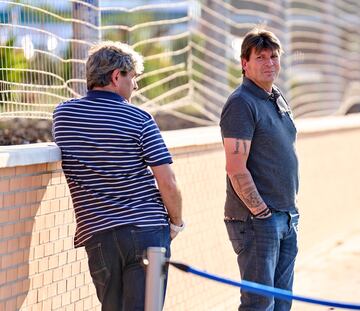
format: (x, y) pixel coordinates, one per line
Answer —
(266, 251)
(115, 264)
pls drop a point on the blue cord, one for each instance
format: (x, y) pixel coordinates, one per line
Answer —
(265, 290)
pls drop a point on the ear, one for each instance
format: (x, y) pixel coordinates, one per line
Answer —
(115, 76)
(243, 63)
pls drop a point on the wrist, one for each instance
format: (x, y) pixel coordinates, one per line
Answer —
(177, 228)
(264, 211)
(177, 221)
(264, 214)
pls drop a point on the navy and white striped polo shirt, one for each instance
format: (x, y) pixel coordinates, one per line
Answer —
(107, 145)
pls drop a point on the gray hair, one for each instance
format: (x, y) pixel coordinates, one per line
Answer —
(107, 56)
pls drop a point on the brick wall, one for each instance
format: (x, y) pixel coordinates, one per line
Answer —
(40, 269)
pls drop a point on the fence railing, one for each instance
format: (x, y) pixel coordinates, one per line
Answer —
(191, 51)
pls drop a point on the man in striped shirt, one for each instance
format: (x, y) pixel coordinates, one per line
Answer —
(108, 146)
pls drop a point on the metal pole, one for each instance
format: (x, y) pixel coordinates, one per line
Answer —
(155, 276)
(84, 11)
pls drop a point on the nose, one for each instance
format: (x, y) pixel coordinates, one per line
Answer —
(270, 62)
(135, 85)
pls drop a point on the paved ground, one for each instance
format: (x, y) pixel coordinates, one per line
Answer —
(332, 273)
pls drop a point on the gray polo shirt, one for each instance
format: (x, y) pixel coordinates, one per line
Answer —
(251, 113)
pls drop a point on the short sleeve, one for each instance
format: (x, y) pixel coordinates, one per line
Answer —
(154, 149)
(237, 119)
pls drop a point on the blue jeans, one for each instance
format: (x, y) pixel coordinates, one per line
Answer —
(115, 264)
(266, 251)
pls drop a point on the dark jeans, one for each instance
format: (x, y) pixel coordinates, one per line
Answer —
(266, 251)
(115, 264)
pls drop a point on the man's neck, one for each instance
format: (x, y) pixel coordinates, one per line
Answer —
(267, 87)
(106, 88)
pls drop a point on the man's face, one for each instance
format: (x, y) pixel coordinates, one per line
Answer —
(262, 68)
(126, 84)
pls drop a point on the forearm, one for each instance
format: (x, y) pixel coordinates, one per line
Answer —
(170, 193)
(173, 203)
(171, 197)
(246, 190)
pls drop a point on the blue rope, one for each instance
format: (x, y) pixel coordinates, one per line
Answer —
(265, 290)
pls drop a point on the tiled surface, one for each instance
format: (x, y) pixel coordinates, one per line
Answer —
(39, 268)
(333, 274)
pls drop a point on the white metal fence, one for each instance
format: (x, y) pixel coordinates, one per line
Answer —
(191, 51)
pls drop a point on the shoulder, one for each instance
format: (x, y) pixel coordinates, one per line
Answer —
(63, 106)
(240, 99)
(110, 107)
(239, 117)
(142, 114)
(242, 95)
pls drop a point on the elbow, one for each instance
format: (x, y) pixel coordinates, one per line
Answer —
(171, 186)
(229, 171)
(232, 170)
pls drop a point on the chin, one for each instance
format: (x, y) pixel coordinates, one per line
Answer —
(271, 78)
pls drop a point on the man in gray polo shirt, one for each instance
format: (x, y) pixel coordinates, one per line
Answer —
(259, 136)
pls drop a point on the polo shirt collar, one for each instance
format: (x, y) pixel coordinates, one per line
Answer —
(104, 94)
(256, 90)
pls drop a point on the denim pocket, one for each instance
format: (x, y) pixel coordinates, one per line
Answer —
(294, 219)
(151, 237)
(97, 266)
(266, 220)
(237, 234)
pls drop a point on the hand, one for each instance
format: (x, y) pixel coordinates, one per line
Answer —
(175, 229)
(173, 234)
(264, 214)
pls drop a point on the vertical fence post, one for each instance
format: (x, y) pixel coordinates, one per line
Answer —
(155, 276)
(83, 11)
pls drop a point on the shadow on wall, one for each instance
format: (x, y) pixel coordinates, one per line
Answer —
(21, 191)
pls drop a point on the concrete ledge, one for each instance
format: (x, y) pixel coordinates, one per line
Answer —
(326, 124)
(192, 137)
(19, 155)
(211, 135)
(177, 141)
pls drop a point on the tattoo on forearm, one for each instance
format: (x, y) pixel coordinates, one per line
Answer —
(253, 199)
(244, 147)
(246, 189)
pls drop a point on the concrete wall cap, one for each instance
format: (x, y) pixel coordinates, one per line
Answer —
(19, 155)
(49, 152)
